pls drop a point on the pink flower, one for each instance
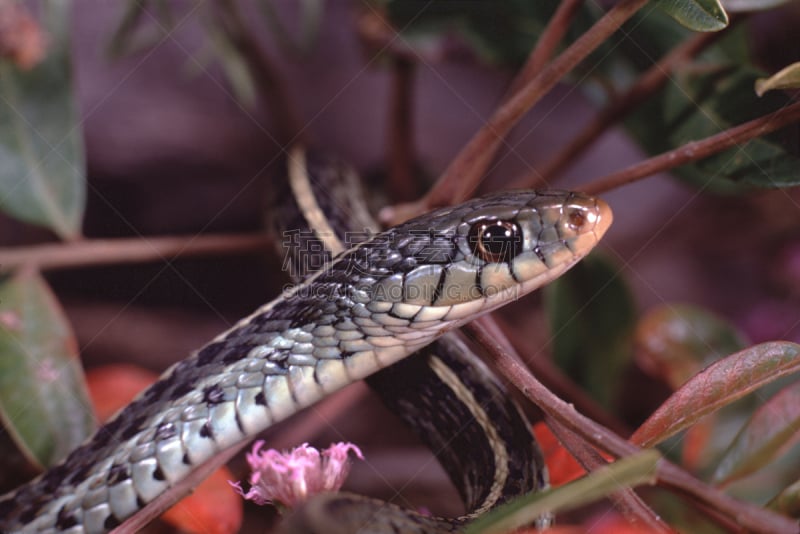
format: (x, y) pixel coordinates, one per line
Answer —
(290, 478)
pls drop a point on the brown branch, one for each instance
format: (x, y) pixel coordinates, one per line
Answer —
(627, 501)
(379, 37)
(648, 84)
(401, 131)
(697, 150)
(136, 250)
(466, 170)
(747, 516)
(629, 504)
(553, 377)
(552, 35)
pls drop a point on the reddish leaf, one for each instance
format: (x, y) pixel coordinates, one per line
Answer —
(213, 508)
(673, 342)
(773, 426)
(561, 465)
(719, 384)
(696, 444)
(111, 387)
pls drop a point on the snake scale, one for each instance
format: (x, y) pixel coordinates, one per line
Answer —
(443, 392)
(372, 306)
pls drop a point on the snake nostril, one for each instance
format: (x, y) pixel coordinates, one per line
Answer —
(576, 219)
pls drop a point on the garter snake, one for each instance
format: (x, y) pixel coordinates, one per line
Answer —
(443, 392)
(373, 305)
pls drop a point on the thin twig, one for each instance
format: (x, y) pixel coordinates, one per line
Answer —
(648, 84)
(134, 250)
(697, 150)
(379, 37)
(551, 36)
(401, 131)
(629, 504)
(467, 169)
(747, 516)
(626, 501)
(553, 377)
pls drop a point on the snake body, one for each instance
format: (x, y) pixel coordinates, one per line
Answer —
(443, 392)
(372, 306)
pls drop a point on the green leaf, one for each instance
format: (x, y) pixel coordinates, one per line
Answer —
(675, 341)
(703, 98)
(627, 472)
(44, 405)
(652, 33)
(718, 385)
(132, 35)
(787, 78)
(234, 64)
(697, 105)
(771, 427)
(788, 501)
(697, 15)
(42, 168)
(590, 306)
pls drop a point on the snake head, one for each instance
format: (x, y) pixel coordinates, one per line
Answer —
(471, 258)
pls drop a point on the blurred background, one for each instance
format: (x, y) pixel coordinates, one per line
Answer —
(175, 146)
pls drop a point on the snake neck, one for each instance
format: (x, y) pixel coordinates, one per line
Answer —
(284, 357)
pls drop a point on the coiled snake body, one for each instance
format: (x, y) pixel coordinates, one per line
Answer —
(375, 304)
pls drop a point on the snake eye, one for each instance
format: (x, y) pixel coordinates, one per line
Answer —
(495, 241)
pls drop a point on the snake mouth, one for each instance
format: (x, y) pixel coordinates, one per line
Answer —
(582, 222)
(557, 236)
(573, 229)
(603, 217)
(510, 249)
